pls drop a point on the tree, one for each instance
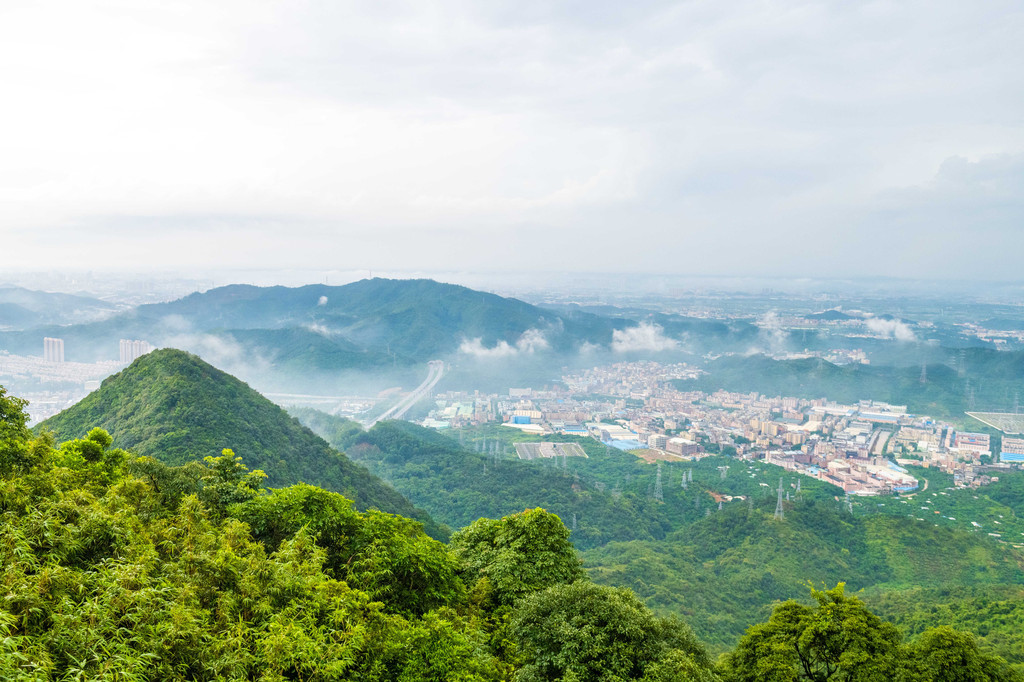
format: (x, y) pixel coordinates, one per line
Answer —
(943, 654)
(838, 639)
(590, 632)
(14, 434)
(518, 554)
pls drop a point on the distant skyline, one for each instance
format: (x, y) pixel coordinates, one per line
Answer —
(756, 139)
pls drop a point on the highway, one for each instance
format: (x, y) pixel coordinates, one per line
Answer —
(435, 370)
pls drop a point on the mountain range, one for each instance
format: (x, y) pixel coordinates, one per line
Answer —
(364, 325)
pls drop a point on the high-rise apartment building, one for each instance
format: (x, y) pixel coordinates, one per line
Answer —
(53, 349)
(132, 349)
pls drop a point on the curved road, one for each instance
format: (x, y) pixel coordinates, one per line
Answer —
(435, 370)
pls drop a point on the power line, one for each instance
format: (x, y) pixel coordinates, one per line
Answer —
(780, 513)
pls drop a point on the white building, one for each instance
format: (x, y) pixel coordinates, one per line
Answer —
(53, 349)
(132, 349)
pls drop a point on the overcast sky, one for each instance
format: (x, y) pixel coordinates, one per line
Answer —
(705, 137)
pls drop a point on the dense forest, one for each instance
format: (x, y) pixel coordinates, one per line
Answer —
(120, 567)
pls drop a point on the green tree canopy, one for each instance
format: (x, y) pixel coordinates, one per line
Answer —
(837, 639)
(943, 654)
(14, 434)
(517, 554)
(590, 632)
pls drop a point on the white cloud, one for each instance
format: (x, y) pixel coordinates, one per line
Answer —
(644, 337)
(529, 342)
(321, 329)
(322, 301)
(381, 133)
(772, 335)
(895, 329)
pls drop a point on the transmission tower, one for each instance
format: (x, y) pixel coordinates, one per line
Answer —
(924, 372)
(574, 521)
(779, 512)
(962, 367)
(719, 505)
(658, 495)
(722, 471)
(798, 485)
(970, 396)
(689, 476)
(682, 483)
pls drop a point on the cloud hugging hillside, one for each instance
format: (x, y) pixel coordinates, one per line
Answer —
(366, 324)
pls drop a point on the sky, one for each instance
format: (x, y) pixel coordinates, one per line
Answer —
(764, 138)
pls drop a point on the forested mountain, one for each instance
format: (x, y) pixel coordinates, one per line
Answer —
(174, 407)
(417, 319)
(723, 572)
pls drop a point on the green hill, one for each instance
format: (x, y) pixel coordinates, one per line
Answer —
(174, 407)
(723, 573)
(416, 319)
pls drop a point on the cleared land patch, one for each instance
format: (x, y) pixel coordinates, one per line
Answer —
(1007, 422)
(539, 450)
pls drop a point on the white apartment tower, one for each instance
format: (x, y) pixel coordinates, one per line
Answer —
(53, 349)
(132, 349)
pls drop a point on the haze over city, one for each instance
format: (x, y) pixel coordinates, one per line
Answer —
(749, 138)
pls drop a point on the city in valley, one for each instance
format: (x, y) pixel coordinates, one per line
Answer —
(634, 407)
